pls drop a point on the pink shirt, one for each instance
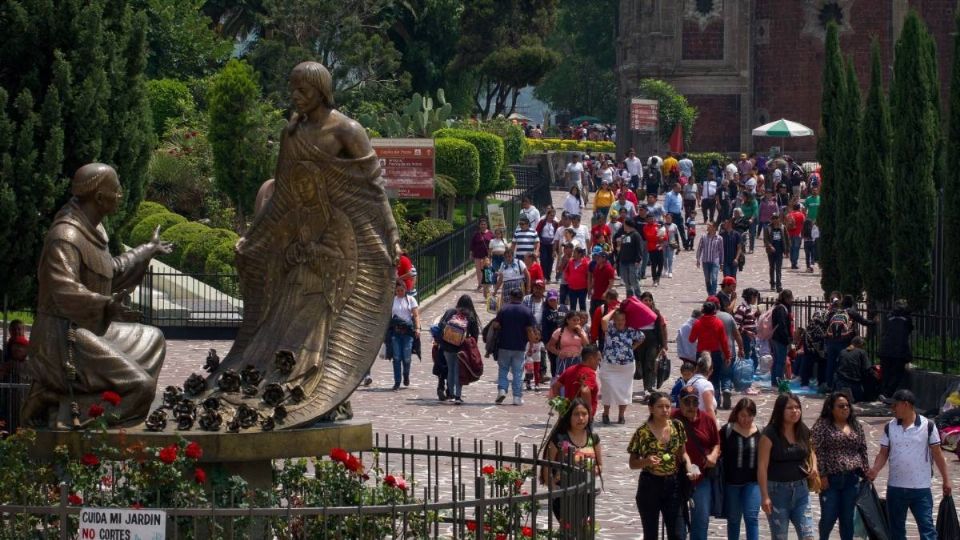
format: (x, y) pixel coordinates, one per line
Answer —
(570, 344)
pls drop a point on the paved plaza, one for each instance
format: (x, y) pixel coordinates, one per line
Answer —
(415, 410)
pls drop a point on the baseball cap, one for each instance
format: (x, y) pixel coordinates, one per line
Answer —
(729, 280)
(713, 299)
(689, 393)
(552, 294)
(597, 250)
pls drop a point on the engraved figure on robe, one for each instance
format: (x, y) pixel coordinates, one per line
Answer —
(84, 341)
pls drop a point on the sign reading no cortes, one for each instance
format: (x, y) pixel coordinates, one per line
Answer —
(644, 114)
(407, 165)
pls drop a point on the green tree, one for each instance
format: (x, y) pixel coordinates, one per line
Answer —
(585, 82)
(71, 92)
(847, 182)
(423, 34)
(673, 107)
(349, 37)
(241, 133)
(828, 147)
(501, 46)
(181, 40)
(915, 143)
(169, 98)
(951, 180)
(875, 196)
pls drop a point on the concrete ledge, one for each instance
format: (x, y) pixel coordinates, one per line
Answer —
(929, 387)
(222, 447)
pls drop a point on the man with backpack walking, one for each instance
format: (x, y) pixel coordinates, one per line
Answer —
(840, 331)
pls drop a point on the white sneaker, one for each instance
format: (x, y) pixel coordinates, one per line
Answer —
(501, 395)
(517, 400)
(670, 275)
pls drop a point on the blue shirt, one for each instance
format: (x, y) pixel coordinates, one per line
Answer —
(514, 319)
(673, 203)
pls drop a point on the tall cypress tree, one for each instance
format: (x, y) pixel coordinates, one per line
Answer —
(72, 93)
(951, 180)
(875, 196)
(847, 233)
(915, 143)
(828, 148)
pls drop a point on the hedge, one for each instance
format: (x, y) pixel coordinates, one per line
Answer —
(701, 162)
(142, 232)
(194, 258)
(460, 160)
(169, 98)
(514, 144)
(490, 149)
(568, 145)
(429, 229)
(181, 236)
(221, 260)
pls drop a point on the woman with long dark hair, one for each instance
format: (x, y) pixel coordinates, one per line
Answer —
(463, 315)
(574, 203)
(657, 448)
(739, 441)
(784, 465)
(572, 438)
(404, 322)
(841, 448)
(782, 335)
(654, 344)
(567, 342)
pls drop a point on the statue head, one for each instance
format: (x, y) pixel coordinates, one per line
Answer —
(311, 86)
(97, 183)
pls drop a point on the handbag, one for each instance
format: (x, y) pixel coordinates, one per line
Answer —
(663, 369)
(813, 484)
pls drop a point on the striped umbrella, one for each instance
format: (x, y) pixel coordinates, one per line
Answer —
(782, 128)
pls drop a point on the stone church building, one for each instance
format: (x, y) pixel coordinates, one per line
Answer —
(744, 63)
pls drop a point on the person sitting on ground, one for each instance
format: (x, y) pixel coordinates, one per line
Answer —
(852, 367)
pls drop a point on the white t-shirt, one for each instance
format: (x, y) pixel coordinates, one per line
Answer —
(532, 215)
(911, 463)
(686, 167)
(576, 172)
(730, 170)
(497, 246)
(583, 232)
(513, 271)
(634, 166)
(709, 189)
(606, 175)
(703, 385)
(403, 308)
(572, 205)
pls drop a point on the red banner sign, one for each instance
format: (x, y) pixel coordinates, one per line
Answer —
(408, 167)
(644, 114)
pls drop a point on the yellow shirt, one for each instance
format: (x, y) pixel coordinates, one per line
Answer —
(603, 199)
(668, 164)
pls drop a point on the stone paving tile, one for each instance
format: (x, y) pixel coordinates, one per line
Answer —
(415, 410)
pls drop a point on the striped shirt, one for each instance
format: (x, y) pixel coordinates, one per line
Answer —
(525, 242)
(710, 249)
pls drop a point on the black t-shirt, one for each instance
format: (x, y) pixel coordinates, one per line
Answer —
(514, 320)
(739, 456)
(630, 247)
(786, 460)
(853, 364)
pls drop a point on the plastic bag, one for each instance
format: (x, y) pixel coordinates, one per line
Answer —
(948, 525)
(872, 512)
(663, 369)
(859, 529)
(742, 374)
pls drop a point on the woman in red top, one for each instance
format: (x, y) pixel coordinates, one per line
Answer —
(576, 275)
(534, 268)
(479, 249)
(651, 234)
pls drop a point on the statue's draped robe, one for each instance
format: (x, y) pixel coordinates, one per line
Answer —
(76, 278)
(316, 276)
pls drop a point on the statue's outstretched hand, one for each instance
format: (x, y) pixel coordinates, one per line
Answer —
(117, 309)
(158, 246)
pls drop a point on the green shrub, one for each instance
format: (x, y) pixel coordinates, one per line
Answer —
(222, 261)
(143, 231)
(146, 208)
(194, 258)
(181, 236)
(702, 160)
(490, 149)
(428, 230)
(460, 160)
(514, 139)
(507, 180)
(169, 99)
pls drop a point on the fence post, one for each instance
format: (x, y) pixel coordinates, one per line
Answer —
(480, 509)
(942, 330)
(62, 511)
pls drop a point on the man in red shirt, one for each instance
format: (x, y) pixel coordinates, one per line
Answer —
(533, 267)
(794, 222)
(580, 380)
(703, 447)
(601, 277)
(651, 234)
(709, 335)
(600, 232)
(407, 273)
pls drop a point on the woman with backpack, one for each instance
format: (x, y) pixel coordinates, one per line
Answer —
(841, 329)
(457, 325)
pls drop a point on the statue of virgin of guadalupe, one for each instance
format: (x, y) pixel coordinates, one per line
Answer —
(317, 262)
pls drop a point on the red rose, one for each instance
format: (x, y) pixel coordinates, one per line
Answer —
(527, 532)
(193, 451)
(390, 480)
(199, 476)
(339, 454)
(136, 506)
(401, 485)
(90, 460)
(471, 526)
(517, 483)
(353, 464)
(95, 411)
(488, 469)
(501, 536)
(74, 499)
(111, 397)
(168, 454)
(106, 480)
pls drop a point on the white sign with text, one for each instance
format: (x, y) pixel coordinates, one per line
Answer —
(122, 524)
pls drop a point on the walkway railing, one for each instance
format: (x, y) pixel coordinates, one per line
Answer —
(450, 497)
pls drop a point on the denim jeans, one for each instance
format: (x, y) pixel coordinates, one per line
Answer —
(700, 510)
(722, 376)
(730, 268)
(775, 262)
(750, 350)
(628, 273)
(656, 264)
(510, 362)
(920, 503)
(643, 264)
(577, 297)
(832, 348)
(779, 352)
(678, 221)
(710, 271)
(742, 502)
(810, 250)
(838, 502)
(659, 496)
(753, 232)
(794, 252)
(791, 504)
(453, 374)
(402, 346)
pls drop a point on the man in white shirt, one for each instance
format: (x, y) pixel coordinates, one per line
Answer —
(686, 166)
(529, 211)
(687, 351)
(730, 170)
(575, 173)
(582, 231)
(911, 443)
(634, 168)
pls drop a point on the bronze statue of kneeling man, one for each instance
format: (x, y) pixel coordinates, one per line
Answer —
(84, 340)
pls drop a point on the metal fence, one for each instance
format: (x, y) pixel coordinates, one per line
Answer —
(450, 497)
(934, 343)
